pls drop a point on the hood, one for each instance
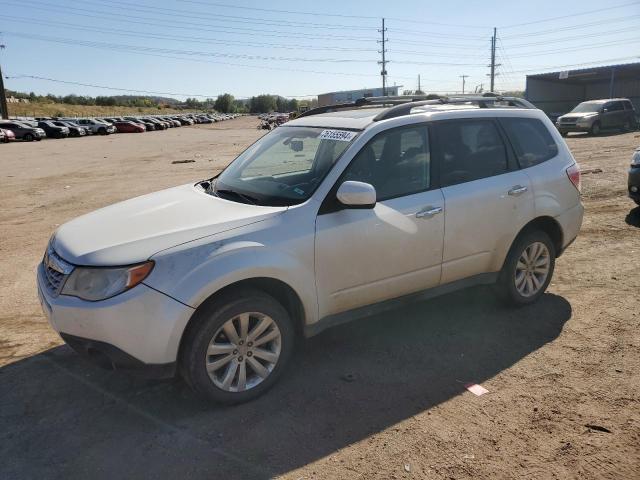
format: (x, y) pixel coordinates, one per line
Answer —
(132, 231)
(579, 114)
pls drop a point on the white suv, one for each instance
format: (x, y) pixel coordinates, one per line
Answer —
(336, 215)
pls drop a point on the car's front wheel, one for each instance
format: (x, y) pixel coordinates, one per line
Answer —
(28, 138)
(595, 128)
(238, 347)
(528, 268)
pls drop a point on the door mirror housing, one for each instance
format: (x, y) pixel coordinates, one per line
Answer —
(354, 194)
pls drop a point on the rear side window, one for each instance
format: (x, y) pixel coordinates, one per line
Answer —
(531, 140)
(470, 150)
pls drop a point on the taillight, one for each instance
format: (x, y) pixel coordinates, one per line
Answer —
(573, 172)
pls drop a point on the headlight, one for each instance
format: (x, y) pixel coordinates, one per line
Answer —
(100, 283)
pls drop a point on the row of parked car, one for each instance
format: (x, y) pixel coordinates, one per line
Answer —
(36, 129)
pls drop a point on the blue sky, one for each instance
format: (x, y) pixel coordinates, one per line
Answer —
(246, 47)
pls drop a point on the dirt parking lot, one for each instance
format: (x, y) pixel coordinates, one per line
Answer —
(382, 398)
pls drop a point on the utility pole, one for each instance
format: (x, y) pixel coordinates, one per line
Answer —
(419, 89)
(493, 59)
(4, 111)
(383, 72)
(463, 77)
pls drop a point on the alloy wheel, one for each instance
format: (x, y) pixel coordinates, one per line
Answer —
(532, 269)
(243, 352)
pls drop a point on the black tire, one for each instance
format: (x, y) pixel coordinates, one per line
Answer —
(507, 282)
(102, 131)
(595, 129)
(28, 137)
(209, 319)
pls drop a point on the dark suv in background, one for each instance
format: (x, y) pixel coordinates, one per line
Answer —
(594, 116)
(52, 130)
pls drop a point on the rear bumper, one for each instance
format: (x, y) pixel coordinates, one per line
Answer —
(570, 221)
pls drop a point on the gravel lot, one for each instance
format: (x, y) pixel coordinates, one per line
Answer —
(379, 398)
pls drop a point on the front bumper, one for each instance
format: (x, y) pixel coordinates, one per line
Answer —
(573, 127)
(142, 326)
(634, 181)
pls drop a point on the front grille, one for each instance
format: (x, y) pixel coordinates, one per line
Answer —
(53, 280)
(55, 270)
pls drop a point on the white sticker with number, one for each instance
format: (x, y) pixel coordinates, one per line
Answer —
(339, 135)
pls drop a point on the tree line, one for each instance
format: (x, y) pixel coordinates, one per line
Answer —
(225, 103)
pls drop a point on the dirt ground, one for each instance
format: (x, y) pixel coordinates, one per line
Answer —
(382, 398)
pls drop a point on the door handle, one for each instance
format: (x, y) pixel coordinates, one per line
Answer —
(517, 190)
(428, 212)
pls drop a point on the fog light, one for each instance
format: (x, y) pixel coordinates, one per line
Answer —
(634, 189)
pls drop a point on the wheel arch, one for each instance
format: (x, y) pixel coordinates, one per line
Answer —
(550, 226)
(278, 289)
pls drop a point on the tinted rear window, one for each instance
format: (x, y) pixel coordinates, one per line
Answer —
(531, 140)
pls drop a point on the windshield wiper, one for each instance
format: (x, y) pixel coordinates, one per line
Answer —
(233, 193)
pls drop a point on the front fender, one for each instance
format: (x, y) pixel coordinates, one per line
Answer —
(194, 274)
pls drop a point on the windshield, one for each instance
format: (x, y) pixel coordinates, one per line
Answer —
(284, 167)
(587, 107)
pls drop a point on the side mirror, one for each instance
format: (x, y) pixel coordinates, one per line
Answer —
(357, 194)
(605, 110)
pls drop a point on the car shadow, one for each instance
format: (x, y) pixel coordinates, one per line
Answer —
(633, 217)
(64, 418)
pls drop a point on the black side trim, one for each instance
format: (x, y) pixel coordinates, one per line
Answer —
(112, 358)
(369, 310)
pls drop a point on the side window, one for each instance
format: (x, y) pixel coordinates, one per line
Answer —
(396, 163)
(531, 140)
(470, 150)
(615, 106)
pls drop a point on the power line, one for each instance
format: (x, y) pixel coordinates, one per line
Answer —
(185, 38)
(575, 37)
(572, 15)
(561, 67)
(118, 46)
(325, 14)
(573, 27)
(192, 25)
(231, 18)
(35, 77)
(216, 62)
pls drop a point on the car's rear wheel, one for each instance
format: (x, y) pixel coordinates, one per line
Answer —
(528, 268)
(595, 128)
(28, 138)
(238, 347)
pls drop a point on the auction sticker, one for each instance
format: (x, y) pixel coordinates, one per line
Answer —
(339, 135)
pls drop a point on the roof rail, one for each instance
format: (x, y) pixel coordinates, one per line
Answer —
(402, 105)
(481, 100)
